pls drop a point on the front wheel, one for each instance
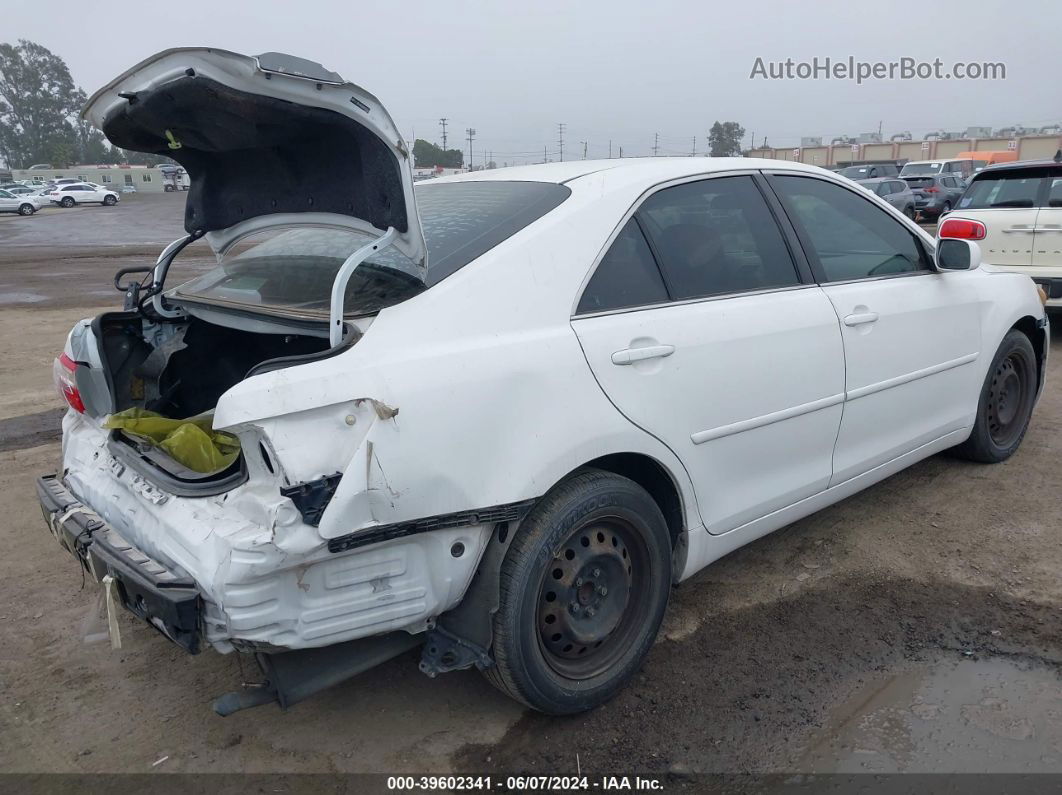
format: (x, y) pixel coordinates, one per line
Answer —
(583, 590)
(67, 201)
(26, 209)
(109, 201)
(1006, 403)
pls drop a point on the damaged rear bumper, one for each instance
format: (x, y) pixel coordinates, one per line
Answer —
(168, 602)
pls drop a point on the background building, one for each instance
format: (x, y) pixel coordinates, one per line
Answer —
(116, 177)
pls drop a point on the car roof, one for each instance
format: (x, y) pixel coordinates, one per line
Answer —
(649, 168)
(1020, 164)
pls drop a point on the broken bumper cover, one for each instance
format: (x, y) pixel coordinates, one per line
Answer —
(166, 601)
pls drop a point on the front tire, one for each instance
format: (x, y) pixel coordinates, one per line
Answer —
(26, 209)
(109, 201)
(1006, 403)
(583, 591)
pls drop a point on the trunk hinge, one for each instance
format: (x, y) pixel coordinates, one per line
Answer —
(339, 286)
(162, 267)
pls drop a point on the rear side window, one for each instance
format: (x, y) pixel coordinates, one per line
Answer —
(1017, 188)
(716, 236)
(626, 276)
(851, 237)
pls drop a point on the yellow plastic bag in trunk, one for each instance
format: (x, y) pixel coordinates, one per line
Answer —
(193, 442)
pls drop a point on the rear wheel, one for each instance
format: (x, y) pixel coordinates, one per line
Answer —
(26, 209)
(909, 211)
(109, 201)
(68, 201)
(1006, 403)
(583, 591)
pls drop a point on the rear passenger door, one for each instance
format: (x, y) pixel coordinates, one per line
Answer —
(703, 326)
(911, 334)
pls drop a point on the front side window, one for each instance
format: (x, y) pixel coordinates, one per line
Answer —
(626, 276)
(850, 236)
(1002, 189)
(292, 270)
(716, 236)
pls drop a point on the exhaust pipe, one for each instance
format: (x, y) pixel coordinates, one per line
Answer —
(293, 676)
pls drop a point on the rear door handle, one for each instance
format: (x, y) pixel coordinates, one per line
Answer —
(632, 355)
(859, 318)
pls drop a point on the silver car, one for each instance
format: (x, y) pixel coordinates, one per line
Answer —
(895, 191)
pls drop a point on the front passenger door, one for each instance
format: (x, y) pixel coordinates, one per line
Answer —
(700, 329)
(911, 335)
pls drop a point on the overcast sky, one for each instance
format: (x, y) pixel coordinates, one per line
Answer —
(609, 70)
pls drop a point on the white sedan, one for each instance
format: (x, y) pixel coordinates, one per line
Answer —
(82, 193)
(500, 415)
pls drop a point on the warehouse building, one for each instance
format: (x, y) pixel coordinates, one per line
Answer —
(1027, 147)
(143, 178)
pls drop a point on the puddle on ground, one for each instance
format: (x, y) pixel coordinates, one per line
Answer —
(22, 298)
(969, 716)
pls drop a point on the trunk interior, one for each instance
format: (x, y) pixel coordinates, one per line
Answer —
(183, 374)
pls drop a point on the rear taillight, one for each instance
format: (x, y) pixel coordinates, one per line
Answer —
(931, 189)
(63, 373)
(962, 229)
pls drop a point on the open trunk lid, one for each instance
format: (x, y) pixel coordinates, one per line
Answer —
(267, 141)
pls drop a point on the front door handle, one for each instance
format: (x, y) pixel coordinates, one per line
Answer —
(632, 355)
(860, 318)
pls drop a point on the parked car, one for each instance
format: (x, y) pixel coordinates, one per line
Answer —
(82, 193)
(870, 171)
(1014, 212)
(961, 167)
(128, 188)
(499, 415)
(19, 190)
(935, 196)
(895, 191)
(23, 204)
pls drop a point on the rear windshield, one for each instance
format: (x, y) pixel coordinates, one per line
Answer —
(1001, 189)
(855, 172)
(293, 269)
(919, 182)
(921, 168)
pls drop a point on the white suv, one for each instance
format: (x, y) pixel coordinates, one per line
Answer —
(1014, 212)
(83, 193)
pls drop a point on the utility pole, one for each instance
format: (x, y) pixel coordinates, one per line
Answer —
(693, 152)
(584, 149)
(621, 152)
(545, 158)
(442, 122)
(471, 134)
(609, 148)
(560, 138)
(752, 141)
(656, 143)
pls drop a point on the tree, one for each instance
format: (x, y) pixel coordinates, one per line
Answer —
(39, 104)
(724, 139)
(427, 154)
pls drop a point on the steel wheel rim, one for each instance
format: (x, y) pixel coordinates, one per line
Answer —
(1006, 400)
(593, 597)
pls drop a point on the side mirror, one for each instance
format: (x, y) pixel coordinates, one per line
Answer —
(953, 254)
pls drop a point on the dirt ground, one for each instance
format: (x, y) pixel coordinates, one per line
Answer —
(914, 627)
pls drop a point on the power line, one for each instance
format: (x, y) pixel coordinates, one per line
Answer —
(442, 122)
(560, 138)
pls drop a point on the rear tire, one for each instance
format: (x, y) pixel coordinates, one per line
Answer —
(26, 209)
(583, 590)
(1006, 402)
(67, 202)
(909, 212)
